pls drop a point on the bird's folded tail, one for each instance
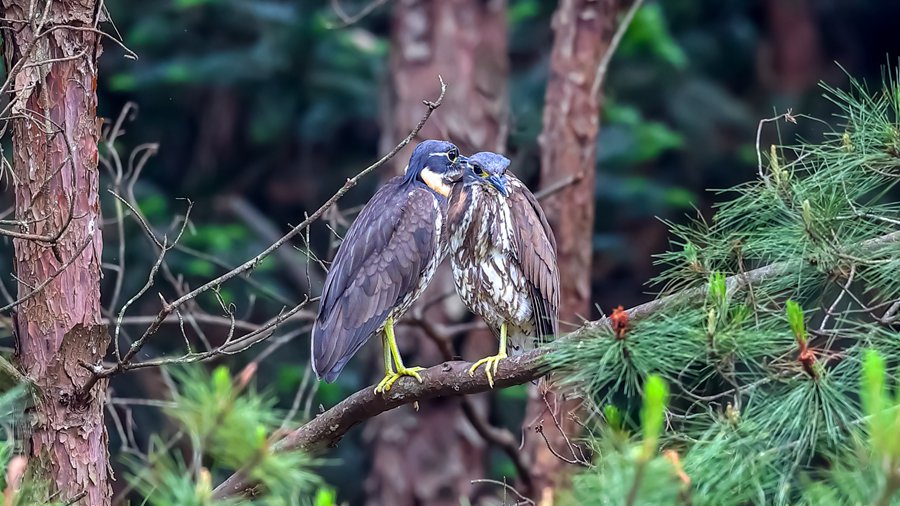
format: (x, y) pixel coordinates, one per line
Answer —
(519, 341)
(331, 351)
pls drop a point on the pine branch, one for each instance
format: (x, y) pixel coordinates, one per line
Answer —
(452, 378)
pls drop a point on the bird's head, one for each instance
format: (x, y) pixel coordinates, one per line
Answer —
(487, 169)
(437, 164)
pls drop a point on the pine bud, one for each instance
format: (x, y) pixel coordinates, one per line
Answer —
(775, 165)
(806, 209)
(653, 414)
(795, 319)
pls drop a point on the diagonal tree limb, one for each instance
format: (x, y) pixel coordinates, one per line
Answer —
(452, 378)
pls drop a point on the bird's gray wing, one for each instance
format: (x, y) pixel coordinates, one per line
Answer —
(381, 259)
(536, 253)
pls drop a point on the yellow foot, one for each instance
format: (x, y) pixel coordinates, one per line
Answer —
(388, 381)
(488, 362)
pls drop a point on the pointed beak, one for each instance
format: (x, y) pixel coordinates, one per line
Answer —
(499, 182)
(459, 165)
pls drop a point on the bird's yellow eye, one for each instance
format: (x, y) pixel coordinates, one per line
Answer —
(452, 155)
(480, 172)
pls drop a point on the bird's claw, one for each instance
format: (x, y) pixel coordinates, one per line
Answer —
(492, 362)
(390, 378)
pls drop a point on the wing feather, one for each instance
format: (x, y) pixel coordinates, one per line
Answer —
(536, 253)
(382, 259)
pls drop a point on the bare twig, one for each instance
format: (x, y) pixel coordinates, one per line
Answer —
(79, 496)
(600, 76)
(522, 500)
(347, 19)
(837, 300)
(558, 186)
(294, 265)
(98, 371)
(208, 319)
(574, 461)
(890, 315)
(788, 116)
(578, 458)
(37, 289)
(7, 369)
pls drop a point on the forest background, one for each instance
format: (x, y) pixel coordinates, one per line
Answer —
(259, 110)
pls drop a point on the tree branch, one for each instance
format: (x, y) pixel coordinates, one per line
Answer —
(98, 371)
(452, 378)
(600, 76)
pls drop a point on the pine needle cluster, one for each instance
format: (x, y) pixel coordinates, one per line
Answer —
(228, 425)
(18, 487)
(780, 375)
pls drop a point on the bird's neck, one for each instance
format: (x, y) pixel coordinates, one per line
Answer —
(434, 181)
(479, 219)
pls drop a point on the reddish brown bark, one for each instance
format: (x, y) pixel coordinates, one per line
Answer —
(583, 30)
(55, 135)
(431, 456)
(463, 41)
(794, 45)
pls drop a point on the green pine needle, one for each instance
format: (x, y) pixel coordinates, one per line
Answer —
(762, 412)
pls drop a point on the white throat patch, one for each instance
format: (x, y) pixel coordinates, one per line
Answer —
(435, 182)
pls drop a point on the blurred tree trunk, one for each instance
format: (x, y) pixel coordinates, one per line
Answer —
(794, 46)
(430, 456)
(55, 133)
(582, 33)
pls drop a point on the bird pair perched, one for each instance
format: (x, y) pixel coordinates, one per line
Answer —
(503, 256)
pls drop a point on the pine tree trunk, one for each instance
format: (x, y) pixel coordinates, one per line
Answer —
(431, 456)
(794, 46)
(55, 134)
(582, 33)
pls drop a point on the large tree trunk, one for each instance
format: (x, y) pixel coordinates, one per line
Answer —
(793, 48)
(431, 456)
(55, 133)
(583, 30)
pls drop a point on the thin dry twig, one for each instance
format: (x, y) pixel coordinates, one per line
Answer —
(99, 371)
(788, 116)
(37, 289)
(522, 500)
(539, 428)
(600, 76)
(347, 19)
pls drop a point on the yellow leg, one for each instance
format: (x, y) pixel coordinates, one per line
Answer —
(493, 361)
(391, 352)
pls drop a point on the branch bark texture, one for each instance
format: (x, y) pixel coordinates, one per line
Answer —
(52, 56)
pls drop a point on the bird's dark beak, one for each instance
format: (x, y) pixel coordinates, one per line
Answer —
(499, 182)
(458, 167)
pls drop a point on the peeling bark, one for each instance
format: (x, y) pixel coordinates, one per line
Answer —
(55, 134)
(465, 42)
(583, 30)
(431, 456)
